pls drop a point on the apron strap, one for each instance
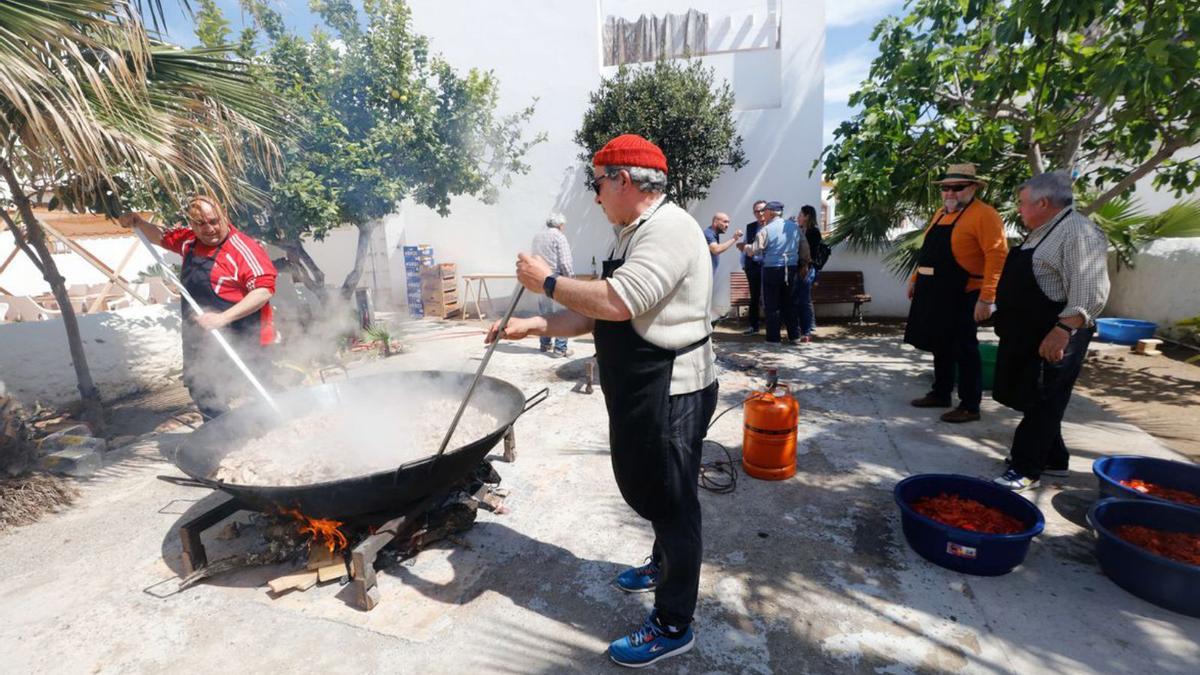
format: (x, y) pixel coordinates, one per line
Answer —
(694, 346)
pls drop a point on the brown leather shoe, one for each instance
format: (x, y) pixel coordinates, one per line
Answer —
(931, 401)
(958, 416)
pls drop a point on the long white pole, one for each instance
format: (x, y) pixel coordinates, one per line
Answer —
(237, 360)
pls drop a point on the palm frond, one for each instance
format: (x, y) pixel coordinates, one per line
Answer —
(86, 94)
(902, 258)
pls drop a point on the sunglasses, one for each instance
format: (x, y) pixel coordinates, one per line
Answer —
(956, 188)
(596, 183)
(758, 211)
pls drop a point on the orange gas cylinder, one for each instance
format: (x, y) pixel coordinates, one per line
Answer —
(769, 434)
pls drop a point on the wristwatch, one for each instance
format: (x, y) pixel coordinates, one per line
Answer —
(548, 285)
(1070, 331)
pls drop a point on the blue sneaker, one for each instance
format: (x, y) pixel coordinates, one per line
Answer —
(649, 644)
(639, 579)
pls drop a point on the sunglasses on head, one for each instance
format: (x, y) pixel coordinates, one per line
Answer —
(956, 188)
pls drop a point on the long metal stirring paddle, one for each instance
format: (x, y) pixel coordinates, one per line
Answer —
(479, 373)
(237, 360)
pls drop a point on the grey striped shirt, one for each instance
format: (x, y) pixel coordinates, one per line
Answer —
(552, 245)
(1071, 265)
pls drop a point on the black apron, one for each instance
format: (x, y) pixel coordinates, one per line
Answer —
(196, 276)
(636, 379)
(1024, 315)
(937, 297)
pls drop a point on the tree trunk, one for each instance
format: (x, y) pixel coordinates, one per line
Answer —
(92, 410)
(310, 274)
(1168, 148)
(365, 230)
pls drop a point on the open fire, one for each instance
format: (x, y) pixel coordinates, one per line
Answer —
(321, 532)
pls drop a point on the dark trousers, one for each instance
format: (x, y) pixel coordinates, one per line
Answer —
(960, 354)
(1038, 442)
(780, 300)
(804, 303)
(754, 281)
(212, 379)
(677, 542)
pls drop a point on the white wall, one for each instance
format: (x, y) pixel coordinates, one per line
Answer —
(1163, 286)
(22, 278)
(551, 51)
(129, 350)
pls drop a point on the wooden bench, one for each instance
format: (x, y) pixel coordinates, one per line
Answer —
(831, 288)
(739, 292)
(834, 288)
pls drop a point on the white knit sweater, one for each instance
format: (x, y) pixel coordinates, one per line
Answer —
(666, 281)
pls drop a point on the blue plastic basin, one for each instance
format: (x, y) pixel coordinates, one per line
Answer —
(1169, 474)
(963, 550)
(1124, 331)
(1162, 581)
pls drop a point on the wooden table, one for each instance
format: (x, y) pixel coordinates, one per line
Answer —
(479, 291)
(476, 289)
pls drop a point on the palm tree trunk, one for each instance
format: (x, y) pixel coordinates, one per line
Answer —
(33, 244)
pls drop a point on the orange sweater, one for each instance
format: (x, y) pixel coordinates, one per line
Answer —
(978, 244)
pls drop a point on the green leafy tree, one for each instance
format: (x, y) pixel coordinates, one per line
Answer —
(383, 119)
(90, 104)
(1109, 91)
(677, 106)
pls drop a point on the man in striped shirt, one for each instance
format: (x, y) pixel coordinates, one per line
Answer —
(552, 245)
(1051, 291)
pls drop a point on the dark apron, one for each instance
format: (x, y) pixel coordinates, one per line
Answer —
(196, 275)
(212, 392)
(937, 297)
(1024, 315)
(636, 379)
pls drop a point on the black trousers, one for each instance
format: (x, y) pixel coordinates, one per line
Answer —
(1038, 441)
(961, 355)
(754, 281)
(212, 379)
(781, 301)
(677, 541)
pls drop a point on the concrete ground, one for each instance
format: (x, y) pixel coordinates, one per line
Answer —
(806, 575)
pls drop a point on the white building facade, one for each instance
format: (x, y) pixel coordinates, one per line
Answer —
(770, 51)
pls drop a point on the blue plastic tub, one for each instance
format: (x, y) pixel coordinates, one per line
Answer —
(1169, 474)
(1162, 581)
(1124, 331)
(963, 550)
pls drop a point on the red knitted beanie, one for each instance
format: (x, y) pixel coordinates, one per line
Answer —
(631, 150)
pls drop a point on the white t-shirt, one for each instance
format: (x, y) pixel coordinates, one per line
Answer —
(666, 282)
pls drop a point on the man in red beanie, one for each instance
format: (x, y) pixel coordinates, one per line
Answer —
(649, 315)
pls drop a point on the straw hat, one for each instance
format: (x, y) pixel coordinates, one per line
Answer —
(961, 173)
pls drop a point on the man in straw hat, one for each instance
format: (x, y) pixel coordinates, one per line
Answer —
(953, 289)
(649, 316)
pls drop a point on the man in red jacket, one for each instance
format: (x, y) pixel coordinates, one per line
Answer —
(232, 279)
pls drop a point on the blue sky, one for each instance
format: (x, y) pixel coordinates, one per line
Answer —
(848, 49)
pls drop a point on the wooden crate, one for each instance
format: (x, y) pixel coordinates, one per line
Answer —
(442, 310)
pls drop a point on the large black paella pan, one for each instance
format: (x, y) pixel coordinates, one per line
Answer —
(201, 453)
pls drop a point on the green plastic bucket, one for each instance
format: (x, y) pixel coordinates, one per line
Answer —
(987, 355)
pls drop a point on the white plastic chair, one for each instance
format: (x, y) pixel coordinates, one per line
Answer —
(24, 308)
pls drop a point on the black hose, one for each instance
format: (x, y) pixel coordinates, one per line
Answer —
(720, 476)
